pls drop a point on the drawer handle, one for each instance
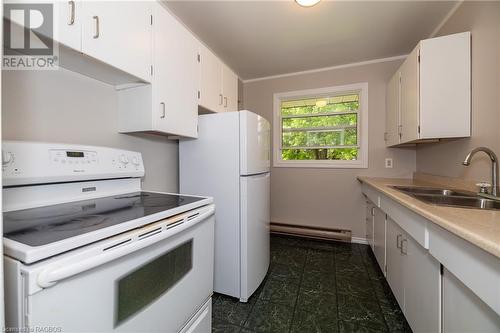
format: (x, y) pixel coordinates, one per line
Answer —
(220, 99)
(162, 110)
(225, 102)
(71, 12)
(403, 248)
(97, 32)
(398, 241)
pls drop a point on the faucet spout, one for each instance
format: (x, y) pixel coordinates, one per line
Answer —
(494, 165)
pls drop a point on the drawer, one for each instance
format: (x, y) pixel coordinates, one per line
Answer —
(475, 268)
(412, 223)
(371, 194)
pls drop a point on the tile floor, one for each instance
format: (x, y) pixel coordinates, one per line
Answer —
(314, 286)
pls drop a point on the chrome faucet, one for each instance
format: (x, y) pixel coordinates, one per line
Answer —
(494, 165)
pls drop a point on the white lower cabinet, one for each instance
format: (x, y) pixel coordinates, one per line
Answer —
(395, 261)
(369, 223)
(419, 272)
(414, 277)
(463, 311)
(379, 237)
(421, 276)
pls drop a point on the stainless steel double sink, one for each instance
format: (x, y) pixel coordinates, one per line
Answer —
(447, 197)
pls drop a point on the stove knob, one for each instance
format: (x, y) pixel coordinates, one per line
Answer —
(135, 160)
(7, 157)
(123, 159)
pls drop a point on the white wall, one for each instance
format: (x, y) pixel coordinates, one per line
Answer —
(330, 197)
(62, 106)
(445, 159)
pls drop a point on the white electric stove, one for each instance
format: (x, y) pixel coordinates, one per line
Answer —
(86, 250)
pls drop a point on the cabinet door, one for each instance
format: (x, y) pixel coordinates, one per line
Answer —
(69, 23)
(211, 96)
(409, 97)
(229, 89)
(119, 34)
(445, 86)
(175, 76)
(392, 111)
(379, 237)
(395, 261)
(463, 311)
(369, 223)
(422, 287)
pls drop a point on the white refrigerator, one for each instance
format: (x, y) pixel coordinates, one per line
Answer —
(230, 161)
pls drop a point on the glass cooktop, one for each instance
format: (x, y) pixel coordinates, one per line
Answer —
(45, 225)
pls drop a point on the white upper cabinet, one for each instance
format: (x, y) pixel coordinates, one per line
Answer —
(119, 34)
(210, 69)
(229, 89)
(409, 98)
(391, 136)
(175, 76)
(218, 83)
(69, 20)
(170, 104)
(434, 99)
(106, 40)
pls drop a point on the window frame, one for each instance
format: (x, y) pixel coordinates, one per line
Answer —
(362, 126)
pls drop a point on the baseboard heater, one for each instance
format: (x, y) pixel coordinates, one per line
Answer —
(311, 232)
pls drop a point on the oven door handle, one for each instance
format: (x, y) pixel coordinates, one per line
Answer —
(73, 265)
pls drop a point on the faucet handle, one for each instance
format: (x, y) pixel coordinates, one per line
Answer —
(484, 187)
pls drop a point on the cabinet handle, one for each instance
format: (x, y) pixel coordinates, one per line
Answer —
(225, 102)
(96, 18)
(403, 251)
(71, 5)
(220, 99)
(162, 104)
(398, 241)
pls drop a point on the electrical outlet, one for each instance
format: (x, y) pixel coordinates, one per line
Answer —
(388, 163)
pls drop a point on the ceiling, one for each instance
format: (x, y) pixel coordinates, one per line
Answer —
(265, 38)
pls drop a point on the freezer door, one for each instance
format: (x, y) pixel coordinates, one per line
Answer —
(255, 219)
(255, 149)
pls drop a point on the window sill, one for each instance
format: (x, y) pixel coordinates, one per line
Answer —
(321, 165)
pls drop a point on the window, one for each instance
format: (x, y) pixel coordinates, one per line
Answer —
(325, 127)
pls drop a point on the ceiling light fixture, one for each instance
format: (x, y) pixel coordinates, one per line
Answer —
(307, 3)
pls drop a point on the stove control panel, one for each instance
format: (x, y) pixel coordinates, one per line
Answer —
(26, 163)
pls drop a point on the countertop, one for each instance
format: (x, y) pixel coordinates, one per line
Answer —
(479, 227)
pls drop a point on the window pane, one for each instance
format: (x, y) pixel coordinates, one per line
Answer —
(339, 154)
(344, 137)
(320, 105)
(144, 285)
(321, 121)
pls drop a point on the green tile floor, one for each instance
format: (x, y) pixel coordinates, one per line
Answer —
(314, 286)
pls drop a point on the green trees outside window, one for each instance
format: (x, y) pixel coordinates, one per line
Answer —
(323, 128)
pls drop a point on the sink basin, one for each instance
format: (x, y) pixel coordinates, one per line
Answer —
(433, 191)
(463, 202)
(446, 197)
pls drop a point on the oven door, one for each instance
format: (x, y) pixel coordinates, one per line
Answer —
(157, 288)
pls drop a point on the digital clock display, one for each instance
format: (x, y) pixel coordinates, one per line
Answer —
(75, 154)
